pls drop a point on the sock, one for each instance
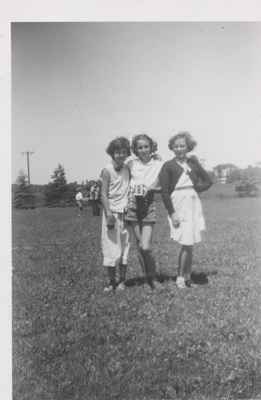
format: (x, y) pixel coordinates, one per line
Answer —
(150, 266)
(112, 276)
(141, 261)
(187, 277)
(122, 271)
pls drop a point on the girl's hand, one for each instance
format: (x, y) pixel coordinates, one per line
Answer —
(175, 220)
(145, 190)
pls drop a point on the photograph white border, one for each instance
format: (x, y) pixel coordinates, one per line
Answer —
(81, 11)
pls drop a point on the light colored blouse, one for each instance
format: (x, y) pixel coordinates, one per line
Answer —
(144, 173)
(118, 187)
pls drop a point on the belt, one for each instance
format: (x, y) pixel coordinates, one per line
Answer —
(183, 187)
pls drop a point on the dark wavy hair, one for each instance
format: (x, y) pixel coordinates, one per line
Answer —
(117, 144)
(143, 136)
(190, 141)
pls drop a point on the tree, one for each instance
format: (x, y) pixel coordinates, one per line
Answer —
(58, 176)
(23, 194)
(56, 190)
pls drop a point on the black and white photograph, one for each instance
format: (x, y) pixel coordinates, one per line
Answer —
(136, 210)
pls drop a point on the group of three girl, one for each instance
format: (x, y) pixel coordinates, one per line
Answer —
(128, 187)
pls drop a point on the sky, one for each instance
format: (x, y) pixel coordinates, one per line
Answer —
(78, 85)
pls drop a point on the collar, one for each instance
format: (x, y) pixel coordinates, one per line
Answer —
(145, 163)
(183, 164)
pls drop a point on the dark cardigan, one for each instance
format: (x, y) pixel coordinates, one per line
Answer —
(170, 174)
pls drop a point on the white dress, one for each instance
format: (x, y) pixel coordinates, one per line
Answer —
(187, 206)
(116, 242)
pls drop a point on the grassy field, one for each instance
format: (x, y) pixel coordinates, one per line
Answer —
(72, 341)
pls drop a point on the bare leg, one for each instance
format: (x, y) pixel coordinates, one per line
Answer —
(137, 231)
(125, 247)
(112, 276)
(146, 236)
(137, 234)
(185, 259)
(188, 265)
(150, 265)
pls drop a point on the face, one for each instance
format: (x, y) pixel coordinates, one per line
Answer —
(180, 148)
(143, 150)
(120, 156)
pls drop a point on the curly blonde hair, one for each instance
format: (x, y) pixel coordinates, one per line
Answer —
(190, 141)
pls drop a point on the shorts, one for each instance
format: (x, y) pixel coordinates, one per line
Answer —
(115, 242)
(141, 209)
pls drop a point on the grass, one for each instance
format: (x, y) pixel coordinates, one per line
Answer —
(72, 341)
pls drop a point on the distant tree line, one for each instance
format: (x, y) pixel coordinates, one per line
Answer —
(57, 193)
(251, 174)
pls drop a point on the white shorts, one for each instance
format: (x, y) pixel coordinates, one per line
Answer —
(115, 242)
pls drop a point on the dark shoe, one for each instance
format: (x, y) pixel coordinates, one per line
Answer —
(189, 283)
(150, 283)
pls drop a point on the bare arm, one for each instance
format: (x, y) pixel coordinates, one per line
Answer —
(105, 177)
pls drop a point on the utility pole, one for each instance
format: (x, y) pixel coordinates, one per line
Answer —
(28, 153)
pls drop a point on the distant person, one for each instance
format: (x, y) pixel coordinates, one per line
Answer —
(181, 179)
(79, 200)
(141, 213)
(94, 198)
(114, 196)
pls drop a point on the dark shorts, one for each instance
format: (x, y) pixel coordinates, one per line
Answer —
(141, 209)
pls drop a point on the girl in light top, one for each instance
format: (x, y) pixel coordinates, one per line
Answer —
(79, 200)
(141, 211)
(181, 179)
(114, 197)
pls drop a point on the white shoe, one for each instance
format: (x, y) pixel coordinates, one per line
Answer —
(108, 289)
(121, 286)
(180, 282)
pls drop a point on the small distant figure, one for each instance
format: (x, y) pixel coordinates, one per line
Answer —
(79, 201)
(94, 198)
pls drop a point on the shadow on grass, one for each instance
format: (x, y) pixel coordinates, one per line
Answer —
(199, 278)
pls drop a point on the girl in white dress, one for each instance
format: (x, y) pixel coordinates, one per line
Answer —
(180, 179)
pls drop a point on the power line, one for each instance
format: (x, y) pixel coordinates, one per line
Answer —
(28, 153)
